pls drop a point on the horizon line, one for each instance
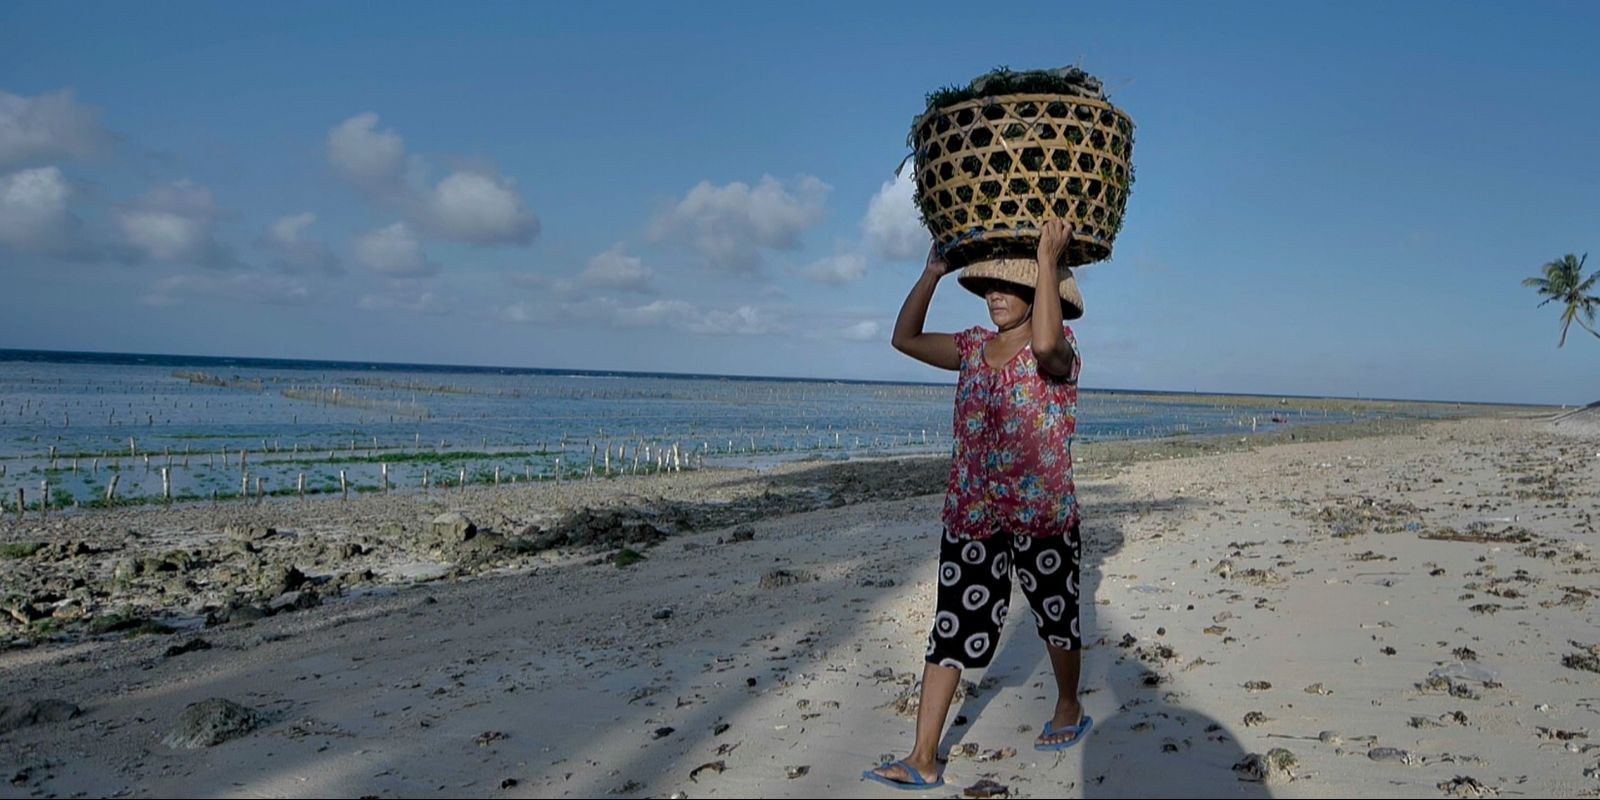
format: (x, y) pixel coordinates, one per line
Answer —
(4, 351)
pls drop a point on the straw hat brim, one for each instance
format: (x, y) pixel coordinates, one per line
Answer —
(1024, 272)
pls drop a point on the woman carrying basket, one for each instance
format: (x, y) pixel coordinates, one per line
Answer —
(1010, 505)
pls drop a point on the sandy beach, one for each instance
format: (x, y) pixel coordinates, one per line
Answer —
(1406, 610)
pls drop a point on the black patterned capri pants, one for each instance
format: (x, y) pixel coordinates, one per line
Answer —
(975, 594)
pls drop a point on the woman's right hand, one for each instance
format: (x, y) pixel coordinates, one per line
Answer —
(937, 267)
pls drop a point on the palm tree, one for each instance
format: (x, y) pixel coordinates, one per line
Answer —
(1563, 281)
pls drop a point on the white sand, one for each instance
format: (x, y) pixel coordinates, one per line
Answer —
(385, 695)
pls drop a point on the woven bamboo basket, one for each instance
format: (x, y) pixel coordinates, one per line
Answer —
(990, 171)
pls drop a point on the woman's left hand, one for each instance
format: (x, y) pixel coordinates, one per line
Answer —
(1054, 236)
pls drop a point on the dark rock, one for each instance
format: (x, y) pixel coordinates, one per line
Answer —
(211, 722)
(23, 714)
(776, 578)
(294, 601)
(281, 578)
(236, 612)
(187, 647)
(743, 533)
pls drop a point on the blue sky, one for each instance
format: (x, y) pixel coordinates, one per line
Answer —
(1332, 198)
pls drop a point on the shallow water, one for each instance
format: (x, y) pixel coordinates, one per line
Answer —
(132, 416)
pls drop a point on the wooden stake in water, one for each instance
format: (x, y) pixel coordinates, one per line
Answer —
(558, 469)
(300, 486)
(424, 479)
(385, 478)
(166, 485)
(259, 481)
(463, 479)
(497, 474)
(244, 486)
(22, 503)
(133, 449)
(44, 499)
(111, 489)
(344, 486)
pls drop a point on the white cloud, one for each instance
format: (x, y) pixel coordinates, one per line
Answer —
(614, 269)
(892, 227)
(839, 269)
(671, 313)
(373, 159)
(864, 331)
(405, 295)
(46, 128)
(395, 251)
(173, 223)
(286, 240)
(33, 210)
(744, 320)
(249, 287)
(520, 313)
(662, 313)
(479, 209)
(730, 225)
(476, 206)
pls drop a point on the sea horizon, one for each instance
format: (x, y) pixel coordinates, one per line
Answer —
(116, 358)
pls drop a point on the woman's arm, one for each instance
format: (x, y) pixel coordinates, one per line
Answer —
(937, 349)
(1050, 347)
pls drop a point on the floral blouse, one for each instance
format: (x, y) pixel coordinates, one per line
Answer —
(1012, 465)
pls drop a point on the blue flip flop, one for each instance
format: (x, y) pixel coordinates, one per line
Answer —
(915, 784)
(1080, 730)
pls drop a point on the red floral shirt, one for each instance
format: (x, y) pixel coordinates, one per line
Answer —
(1012, 465)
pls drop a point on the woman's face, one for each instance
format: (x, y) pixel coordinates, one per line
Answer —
(1009, 304)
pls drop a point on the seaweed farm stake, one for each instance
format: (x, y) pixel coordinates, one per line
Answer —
(300, 486)
(344, 486)
(385, 467)
(111, 489)
(44, 499)
(166, 485)
(463, 479)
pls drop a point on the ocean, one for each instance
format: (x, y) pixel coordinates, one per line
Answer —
(220, 427)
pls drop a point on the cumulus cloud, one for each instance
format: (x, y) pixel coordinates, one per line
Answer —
(479, 209)
(174, 224)
(33, 210)
(892, 227)
(48, 127)
(730, 225)
(248, 287)
(614, 269)
(475, 206)
(293, 252)
(395, 251)
(372, 159)
(839, 269)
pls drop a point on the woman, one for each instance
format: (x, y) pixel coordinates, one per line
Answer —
(1010, 503)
